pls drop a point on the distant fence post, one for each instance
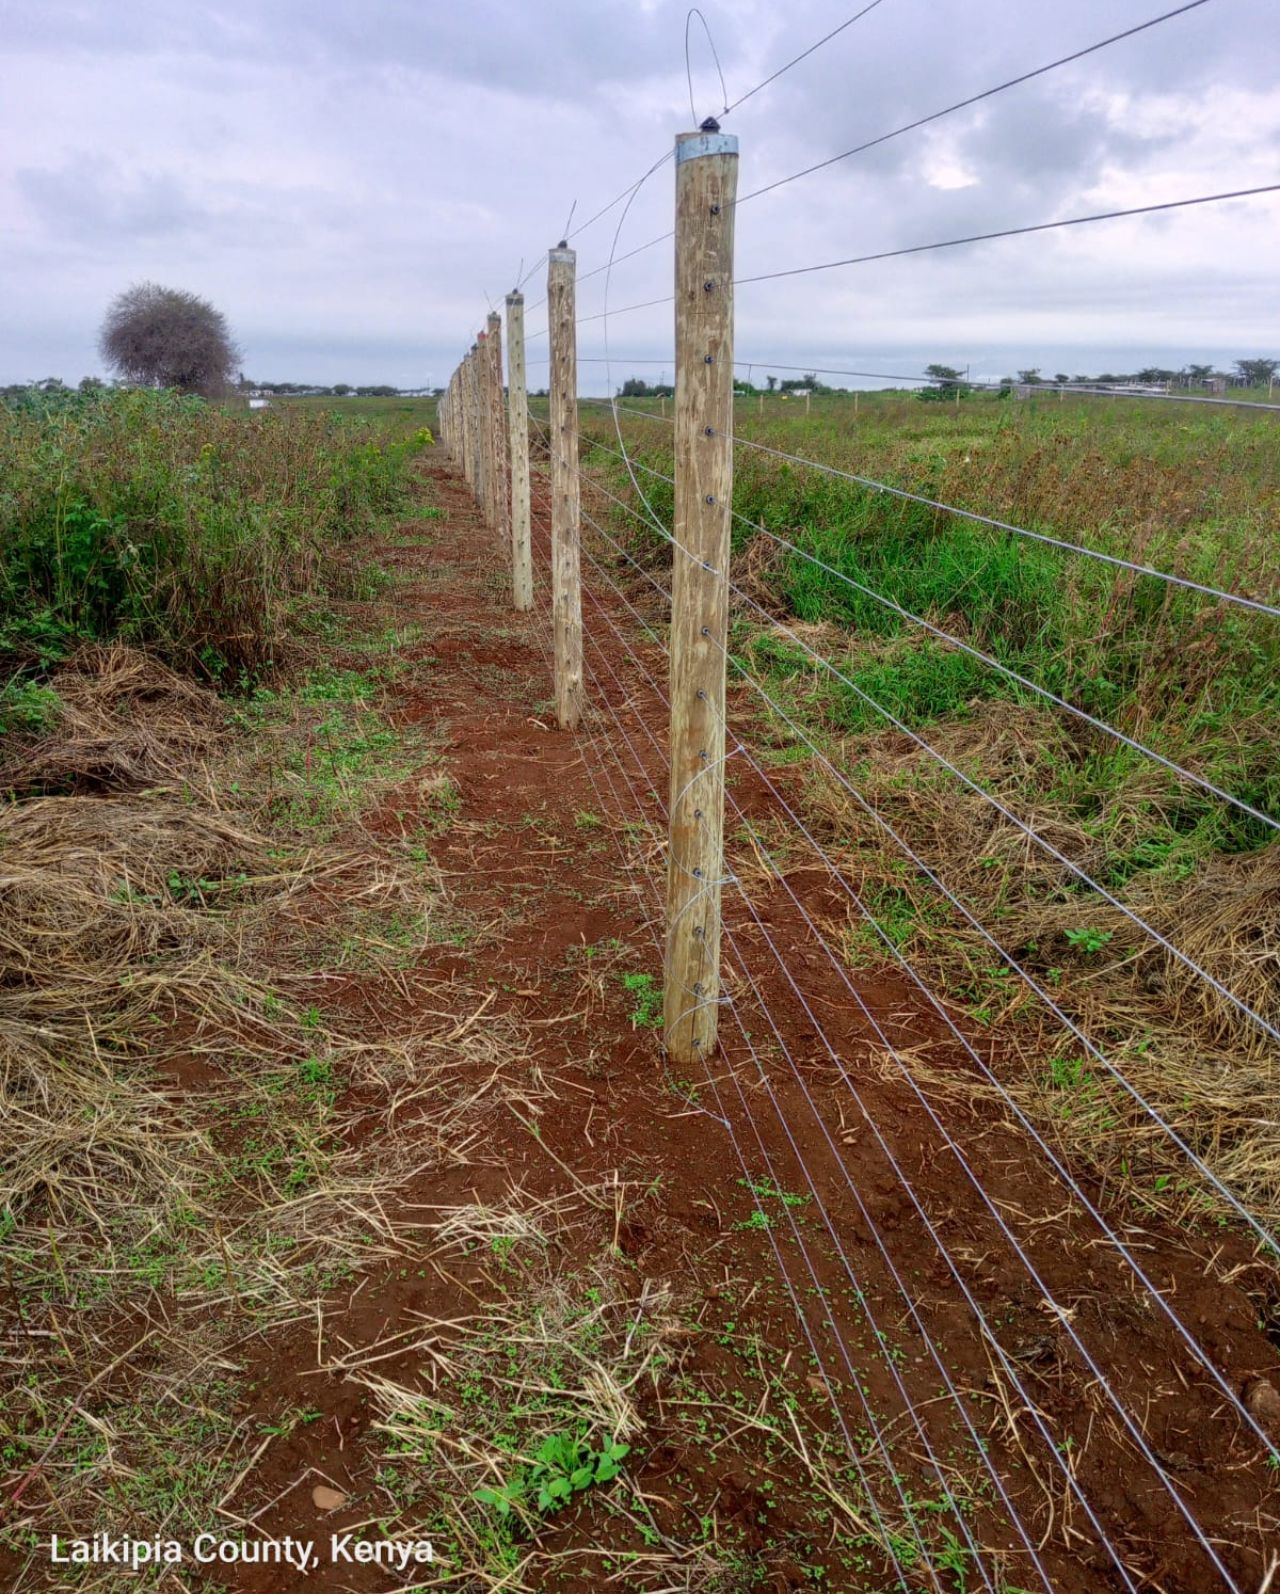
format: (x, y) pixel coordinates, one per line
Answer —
(499, 488)
(706, 185)
(566, 567)
(518, 437)
(483, 424)
(473, 430)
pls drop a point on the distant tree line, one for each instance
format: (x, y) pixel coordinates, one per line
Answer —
(1256, 372)
(248, 385)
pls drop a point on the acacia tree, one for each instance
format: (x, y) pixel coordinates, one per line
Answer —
(165, 337)
(1257, 373)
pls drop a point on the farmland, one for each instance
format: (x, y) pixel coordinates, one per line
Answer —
(341, 1151)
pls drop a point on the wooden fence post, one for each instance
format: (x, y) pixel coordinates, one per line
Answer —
(485, 425)
(566, 572)
(473, 433)
(464, 440)
(706, 185)
(518, 437)
(499, 488)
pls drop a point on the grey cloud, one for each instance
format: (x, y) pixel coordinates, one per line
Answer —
(89, 196)
(352, 182)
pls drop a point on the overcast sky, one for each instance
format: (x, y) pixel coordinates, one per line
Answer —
(351, 181)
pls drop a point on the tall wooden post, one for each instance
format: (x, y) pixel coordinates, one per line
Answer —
(469, 416)
(566, 564)
(499, 487)
(464, 439)
(706, 185)
(518, 439)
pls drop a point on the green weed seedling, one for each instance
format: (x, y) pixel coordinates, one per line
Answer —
(563, 1465)
(1089, 941)
(766, 1190)
(647, 996)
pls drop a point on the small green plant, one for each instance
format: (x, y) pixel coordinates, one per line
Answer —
(28, 706)
(767, 1190)
(647, 997)
(563, 1465)
(1089, 941)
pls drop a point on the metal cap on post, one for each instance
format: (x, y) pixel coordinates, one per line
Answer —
(706, 187)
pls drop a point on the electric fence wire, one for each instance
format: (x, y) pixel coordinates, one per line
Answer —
(1060, 1170)
(970, 238)
(933, 116)
(1024, 681)
(741, 100)
(1242, 1006)
(1193, 1524)
(887, 1538)
(838, 1158)
(965, 384)
(1260, 1229)
(961, 384)
(856, 1374)
(949, 1140)
(1011, 674)
(1070, 222)
(1070, 1184)
(1012, 232)
(1131, 1425)
(860, 1294)
(1123, 1250)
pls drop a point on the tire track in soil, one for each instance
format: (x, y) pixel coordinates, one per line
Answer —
(541, 882)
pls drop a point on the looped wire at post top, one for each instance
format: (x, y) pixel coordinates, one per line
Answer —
(688, 67)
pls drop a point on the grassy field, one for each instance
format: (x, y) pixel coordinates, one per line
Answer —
(1190, 490)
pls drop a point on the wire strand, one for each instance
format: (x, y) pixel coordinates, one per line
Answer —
(1011, 232)
(1014, 675)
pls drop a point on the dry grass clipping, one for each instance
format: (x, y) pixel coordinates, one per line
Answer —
(127, 723)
